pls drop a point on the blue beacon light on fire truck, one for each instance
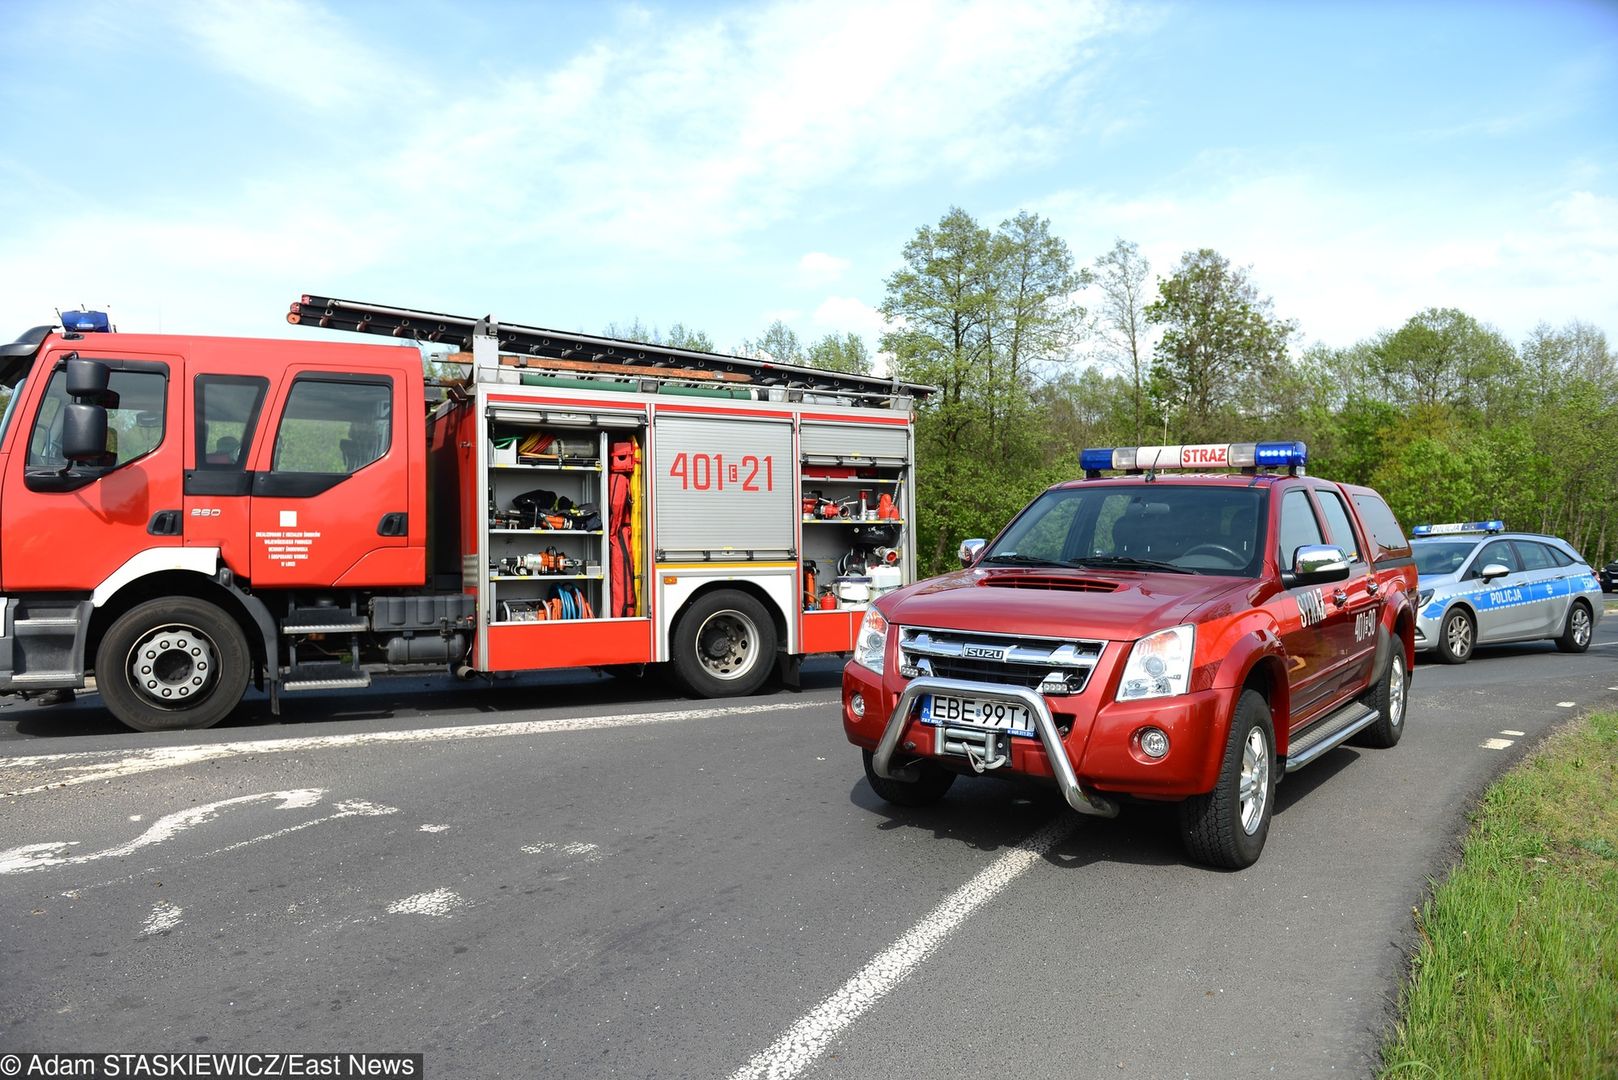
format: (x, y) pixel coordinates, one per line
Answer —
(1263, 455)
(85, 322)
(1459, 528)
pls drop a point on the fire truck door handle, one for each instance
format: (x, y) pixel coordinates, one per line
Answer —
(165, 523)
(395, 524)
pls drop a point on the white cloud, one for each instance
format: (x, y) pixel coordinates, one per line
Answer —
(819, 268)
(847, 314)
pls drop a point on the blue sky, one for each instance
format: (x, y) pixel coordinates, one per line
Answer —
(196, 165)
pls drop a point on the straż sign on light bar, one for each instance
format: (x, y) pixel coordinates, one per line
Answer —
(1196, 456)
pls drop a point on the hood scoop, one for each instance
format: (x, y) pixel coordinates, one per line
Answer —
(1056, 582)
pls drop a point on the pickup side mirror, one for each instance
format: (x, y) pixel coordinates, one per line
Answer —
(1495, 570)
(1318, 564)
(970, 549)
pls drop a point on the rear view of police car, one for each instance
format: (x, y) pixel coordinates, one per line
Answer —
(1480, 585)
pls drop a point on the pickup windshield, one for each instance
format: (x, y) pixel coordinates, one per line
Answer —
(1151, 528)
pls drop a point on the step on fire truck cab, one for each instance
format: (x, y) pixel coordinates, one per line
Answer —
(185, 514)
(1158, 635)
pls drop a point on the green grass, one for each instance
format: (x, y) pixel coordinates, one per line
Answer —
(1516, 974)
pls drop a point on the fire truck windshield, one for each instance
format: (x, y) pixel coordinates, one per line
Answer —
(1147, 527)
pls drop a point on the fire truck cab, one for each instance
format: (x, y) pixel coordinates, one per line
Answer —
(184, 515)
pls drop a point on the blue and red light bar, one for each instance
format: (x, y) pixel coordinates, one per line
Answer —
(1263, 455)
(1459, 528)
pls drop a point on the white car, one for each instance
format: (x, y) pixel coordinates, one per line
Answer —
(1480, 585)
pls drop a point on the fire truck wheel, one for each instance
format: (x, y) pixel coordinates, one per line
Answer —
(724, 645)
(927, 789)
(172, 663)
(1456, 636)
(1388, 697)
(1227, 827)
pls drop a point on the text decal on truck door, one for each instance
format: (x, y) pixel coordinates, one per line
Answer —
(1311, 606)
(704, 472)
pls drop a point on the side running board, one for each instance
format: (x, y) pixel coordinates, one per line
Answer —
(1328, 733)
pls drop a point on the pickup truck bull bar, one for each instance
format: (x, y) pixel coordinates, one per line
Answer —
(1085, 802)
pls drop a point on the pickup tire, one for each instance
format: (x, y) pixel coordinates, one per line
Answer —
(931, 786)
(724, 644)
(1457, 635)
(173, 663)
(1389, 697)
(1576, 634)
(1228, 826)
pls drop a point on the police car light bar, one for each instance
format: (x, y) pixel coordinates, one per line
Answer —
(1456, 527)
(1264, 455)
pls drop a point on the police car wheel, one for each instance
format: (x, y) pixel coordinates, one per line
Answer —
(929, 786)
(1457, 634)
(174, 663)
(1576, 634)
(1227, 827)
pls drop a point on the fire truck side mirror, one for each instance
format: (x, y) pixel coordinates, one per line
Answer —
(87, 383)
(84, 434)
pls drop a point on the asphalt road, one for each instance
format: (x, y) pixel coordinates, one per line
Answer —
(573, 877)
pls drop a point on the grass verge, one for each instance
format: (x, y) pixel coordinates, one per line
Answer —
(1516, 974)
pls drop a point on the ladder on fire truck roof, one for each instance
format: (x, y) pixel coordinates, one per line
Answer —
(576, 353)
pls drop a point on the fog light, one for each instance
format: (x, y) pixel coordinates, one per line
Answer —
(1154, 743)
(856, 704)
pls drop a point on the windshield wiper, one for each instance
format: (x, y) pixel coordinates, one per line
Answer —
(1129, 562)
(1015, 559)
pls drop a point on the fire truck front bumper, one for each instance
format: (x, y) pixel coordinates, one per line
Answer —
(1090, 753)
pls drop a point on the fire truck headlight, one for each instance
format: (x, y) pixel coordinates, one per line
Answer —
(1159, 665)
(872, 641)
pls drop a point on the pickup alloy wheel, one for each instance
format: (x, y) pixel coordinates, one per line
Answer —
(1388, 697)
(1227, 827)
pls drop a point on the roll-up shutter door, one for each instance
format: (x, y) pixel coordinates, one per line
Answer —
(724, 487)
(834, 444)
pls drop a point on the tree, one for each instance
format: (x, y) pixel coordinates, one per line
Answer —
(1444, 357)
(1220, 343)
(1120, 275)
(681, 337)
(779, 343)
(846, 353)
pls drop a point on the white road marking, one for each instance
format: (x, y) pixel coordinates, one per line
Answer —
(1566, 704)
(90, 766)
(164, 917)
(575, 849)
(1496, 744)
(20, 860)
(806, 1040)
(433, 828)
(1508, 731)
(438, 904)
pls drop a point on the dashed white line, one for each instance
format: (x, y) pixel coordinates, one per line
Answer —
(806, 1040)
(1496, 744)
(433, 828)
(1566, 704)
(104, 765)
(1519, 734)
(438, 904)
(164, 917)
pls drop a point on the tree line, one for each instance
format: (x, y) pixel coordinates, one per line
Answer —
(1037, 356)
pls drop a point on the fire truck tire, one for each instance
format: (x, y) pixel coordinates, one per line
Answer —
(724, 645)
(1457, 633)
(1227, 827)
(1576, 634)
(1389, 697)
(924, 791)
(173, 663)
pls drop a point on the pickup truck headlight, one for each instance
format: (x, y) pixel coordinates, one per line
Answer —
(871, 643)
(1159, 665)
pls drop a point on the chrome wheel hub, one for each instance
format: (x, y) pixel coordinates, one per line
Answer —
(1255, 785)
(727, 644)
(1396, 690)
(172, 665)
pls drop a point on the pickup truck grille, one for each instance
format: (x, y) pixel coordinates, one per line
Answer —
(1047, 665)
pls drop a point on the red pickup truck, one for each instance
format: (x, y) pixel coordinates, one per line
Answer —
(1156, 635)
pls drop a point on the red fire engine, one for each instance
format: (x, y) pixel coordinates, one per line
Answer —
(184, 514)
